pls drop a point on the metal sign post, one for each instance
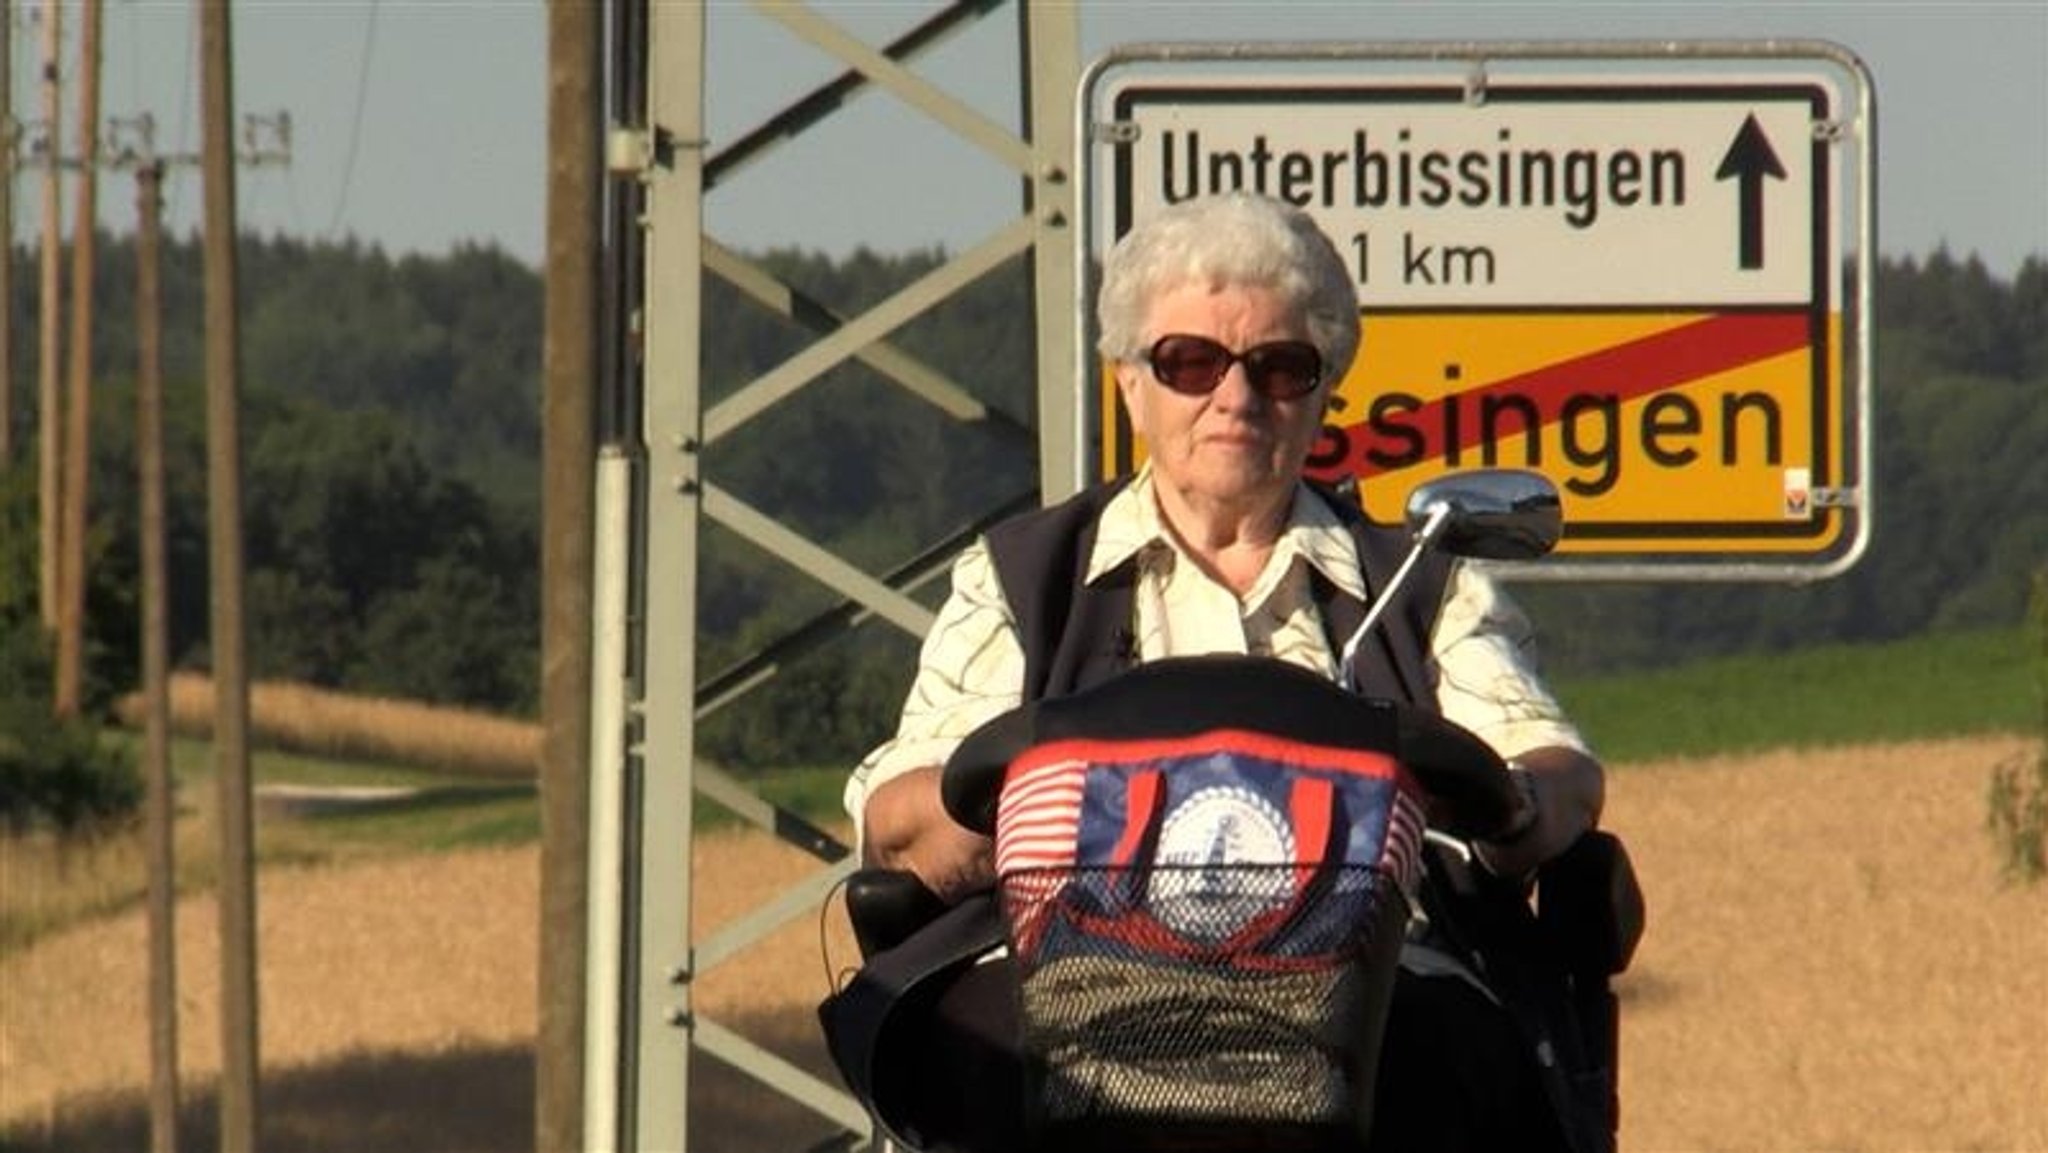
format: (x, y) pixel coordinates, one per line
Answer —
(1618, 264)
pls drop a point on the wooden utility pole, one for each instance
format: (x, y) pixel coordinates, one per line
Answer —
(156, 694)
(70, 673)
(568, 459)
(239, 1061)
(49, 319)
(131, 143)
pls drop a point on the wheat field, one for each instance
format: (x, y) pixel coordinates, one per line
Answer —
(1832, 963)
(303, 718)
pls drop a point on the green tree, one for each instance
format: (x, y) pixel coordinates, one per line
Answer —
(458, 633)
(59, 771)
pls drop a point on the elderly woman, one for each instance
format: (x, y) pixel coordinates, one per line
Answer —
(1230, 320)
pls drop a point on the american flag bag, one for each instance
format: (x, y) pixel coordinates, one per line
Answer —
(1230, 846)
(1205, 867)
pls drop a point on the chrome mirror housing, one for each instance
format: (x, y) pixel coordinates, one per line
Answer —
(1488, 514)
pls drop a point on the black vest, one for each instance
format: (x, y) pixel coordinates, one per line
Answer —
(1076, 634)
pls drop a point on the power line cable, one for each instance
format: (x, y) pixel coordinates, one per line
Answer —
(355, 130)
(183, 135)
(132, 41)
(291, 203)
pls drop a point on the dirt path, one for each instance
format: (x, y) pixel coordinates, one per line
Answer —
(1831, 963)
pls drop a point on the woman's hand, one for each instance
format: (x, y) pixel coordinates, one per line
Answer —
(907, 827)
(1565, 790)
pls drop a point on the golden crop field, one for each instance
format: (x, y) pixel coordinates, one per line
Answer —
(303, 718)
(1832, 963)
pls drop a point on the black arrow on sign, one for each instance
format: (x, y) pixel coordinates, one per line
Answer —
(1749, 160)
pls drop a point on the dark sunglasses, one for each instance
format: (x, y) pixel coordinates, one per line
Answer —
(1194, 365)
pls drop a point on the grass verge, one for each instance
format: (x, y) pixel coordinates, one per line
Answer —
(52, 881)
(1944, 685)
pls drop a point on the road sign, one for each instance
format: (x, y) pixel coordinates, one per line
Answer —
(1621, 265)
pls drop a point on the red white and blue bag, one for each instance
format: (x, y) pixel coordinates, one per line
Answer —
(1206, 867)
(1231, 847)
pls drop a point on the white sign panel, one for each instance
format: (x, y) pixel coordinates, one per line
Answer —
(1542, 195)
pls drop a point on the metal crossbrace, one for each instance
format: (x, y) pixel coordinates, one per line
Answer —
(788, 827)
(784, 380)
(896, 365)
(804, 896)
(736, 680)
(777, 1073)
(822, 102)
(808, 557)
(914, 90)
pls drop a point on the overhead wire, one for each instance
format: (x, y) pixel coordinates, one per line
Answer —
(16, 128)
(183, 136)
(355, 129)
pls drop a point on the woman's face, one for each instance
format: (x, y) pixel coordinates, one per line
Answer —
(1233, 447)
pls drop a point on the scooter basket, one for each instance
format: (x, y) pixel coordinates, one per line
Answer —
(1202, 1006)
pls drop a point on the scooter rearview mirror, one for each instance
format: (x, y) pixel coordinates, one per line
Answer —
(1490, 514)
(1487, 514)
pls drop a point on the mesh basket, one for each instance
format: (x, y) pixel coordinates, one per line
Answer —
(1220, 1005)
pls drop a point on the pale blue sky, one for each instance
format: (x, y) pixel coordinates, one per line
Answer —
(421, 125)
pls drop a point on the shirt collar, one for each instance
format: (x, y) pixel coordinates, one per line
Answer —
(1130, 524)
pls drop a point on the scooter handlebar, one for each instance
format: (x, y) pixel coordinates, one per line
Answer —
(1465, 784)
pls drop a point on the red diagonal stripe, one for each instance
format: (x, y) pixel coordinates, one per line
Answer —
(1623, 371)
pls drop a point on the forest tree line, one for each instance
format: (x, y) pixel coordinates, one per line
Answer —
(391, 471)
